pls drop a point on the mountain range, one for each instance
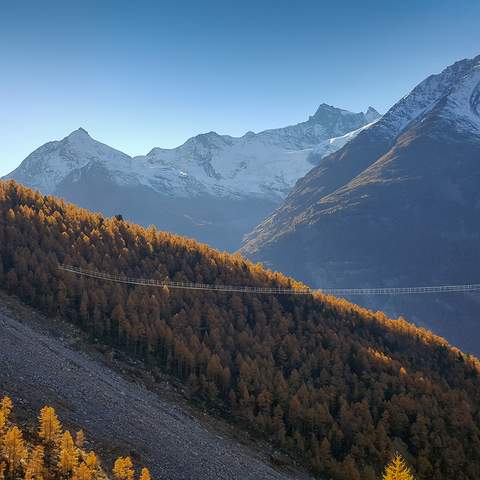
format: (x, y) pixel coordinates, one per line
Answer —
(399, 205)
(214, 187)
(341, 200)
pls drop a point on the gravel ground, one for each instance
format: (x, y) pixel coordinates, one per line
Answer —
(123, 417)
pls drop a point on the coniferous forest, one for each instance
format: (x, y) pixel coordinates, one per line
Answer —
(338, 386)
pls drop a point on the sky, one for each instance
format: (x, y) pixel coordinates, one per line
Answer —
(139, 74)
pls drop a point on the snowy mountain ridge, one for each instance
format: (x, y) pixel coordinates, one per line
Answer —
(265, 165)
(50, 164)
(455, 90)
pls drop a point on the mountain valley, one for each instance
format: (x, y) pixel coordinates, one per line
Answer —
(214, 188)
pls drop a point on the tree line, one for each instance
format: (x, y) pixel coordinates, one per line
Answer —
(336, 385)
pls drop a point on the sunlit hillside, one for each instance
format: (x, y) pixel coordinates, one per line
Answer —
(339, 387)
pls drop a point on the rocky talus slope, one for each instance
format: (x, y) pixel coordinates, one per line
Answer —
(39, 366)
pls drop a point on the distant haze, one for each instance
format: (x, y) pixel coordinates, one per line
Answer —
(145, 74)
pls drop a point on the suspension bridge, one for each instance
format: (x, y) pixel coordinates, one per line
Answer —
(339, 292)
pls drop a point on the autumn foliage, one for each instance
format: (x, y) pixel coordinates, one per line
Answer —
(339, 386)
(397, 469)
(54, 457)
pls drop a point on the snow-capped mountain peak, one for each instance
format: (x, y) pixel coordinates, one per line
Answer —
(455, 85)
(325, 109)
(49, 165)
(78, 133)
(265, 164)
(462, 105)
(398, 204)
(213, 187)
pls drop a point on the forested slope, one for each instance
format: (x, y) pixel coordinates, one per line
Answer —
(340, 386)
(121, 408)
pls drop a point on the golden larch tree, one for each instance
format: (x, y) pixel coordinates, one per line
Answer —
(91, 461)
(50, 426)
(82, 472)
(6, 406)
(14, 449)
(397, 469)
(3, 423)
(34, 469)
(80, 439)
(123, 469)
(68, 459)
(145, 474)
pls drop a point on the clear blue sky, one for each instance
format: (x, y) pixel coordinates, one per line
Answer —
(138, 74)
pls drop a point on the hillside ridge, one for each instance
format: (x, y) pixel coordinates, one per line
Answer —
(340, 387)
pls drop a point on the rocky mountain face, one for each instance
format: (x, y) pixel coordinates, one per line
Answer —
(214, 188)
(399, 205)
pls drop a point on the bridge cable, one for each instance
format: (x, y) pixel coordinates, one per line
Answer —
(150, 282)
